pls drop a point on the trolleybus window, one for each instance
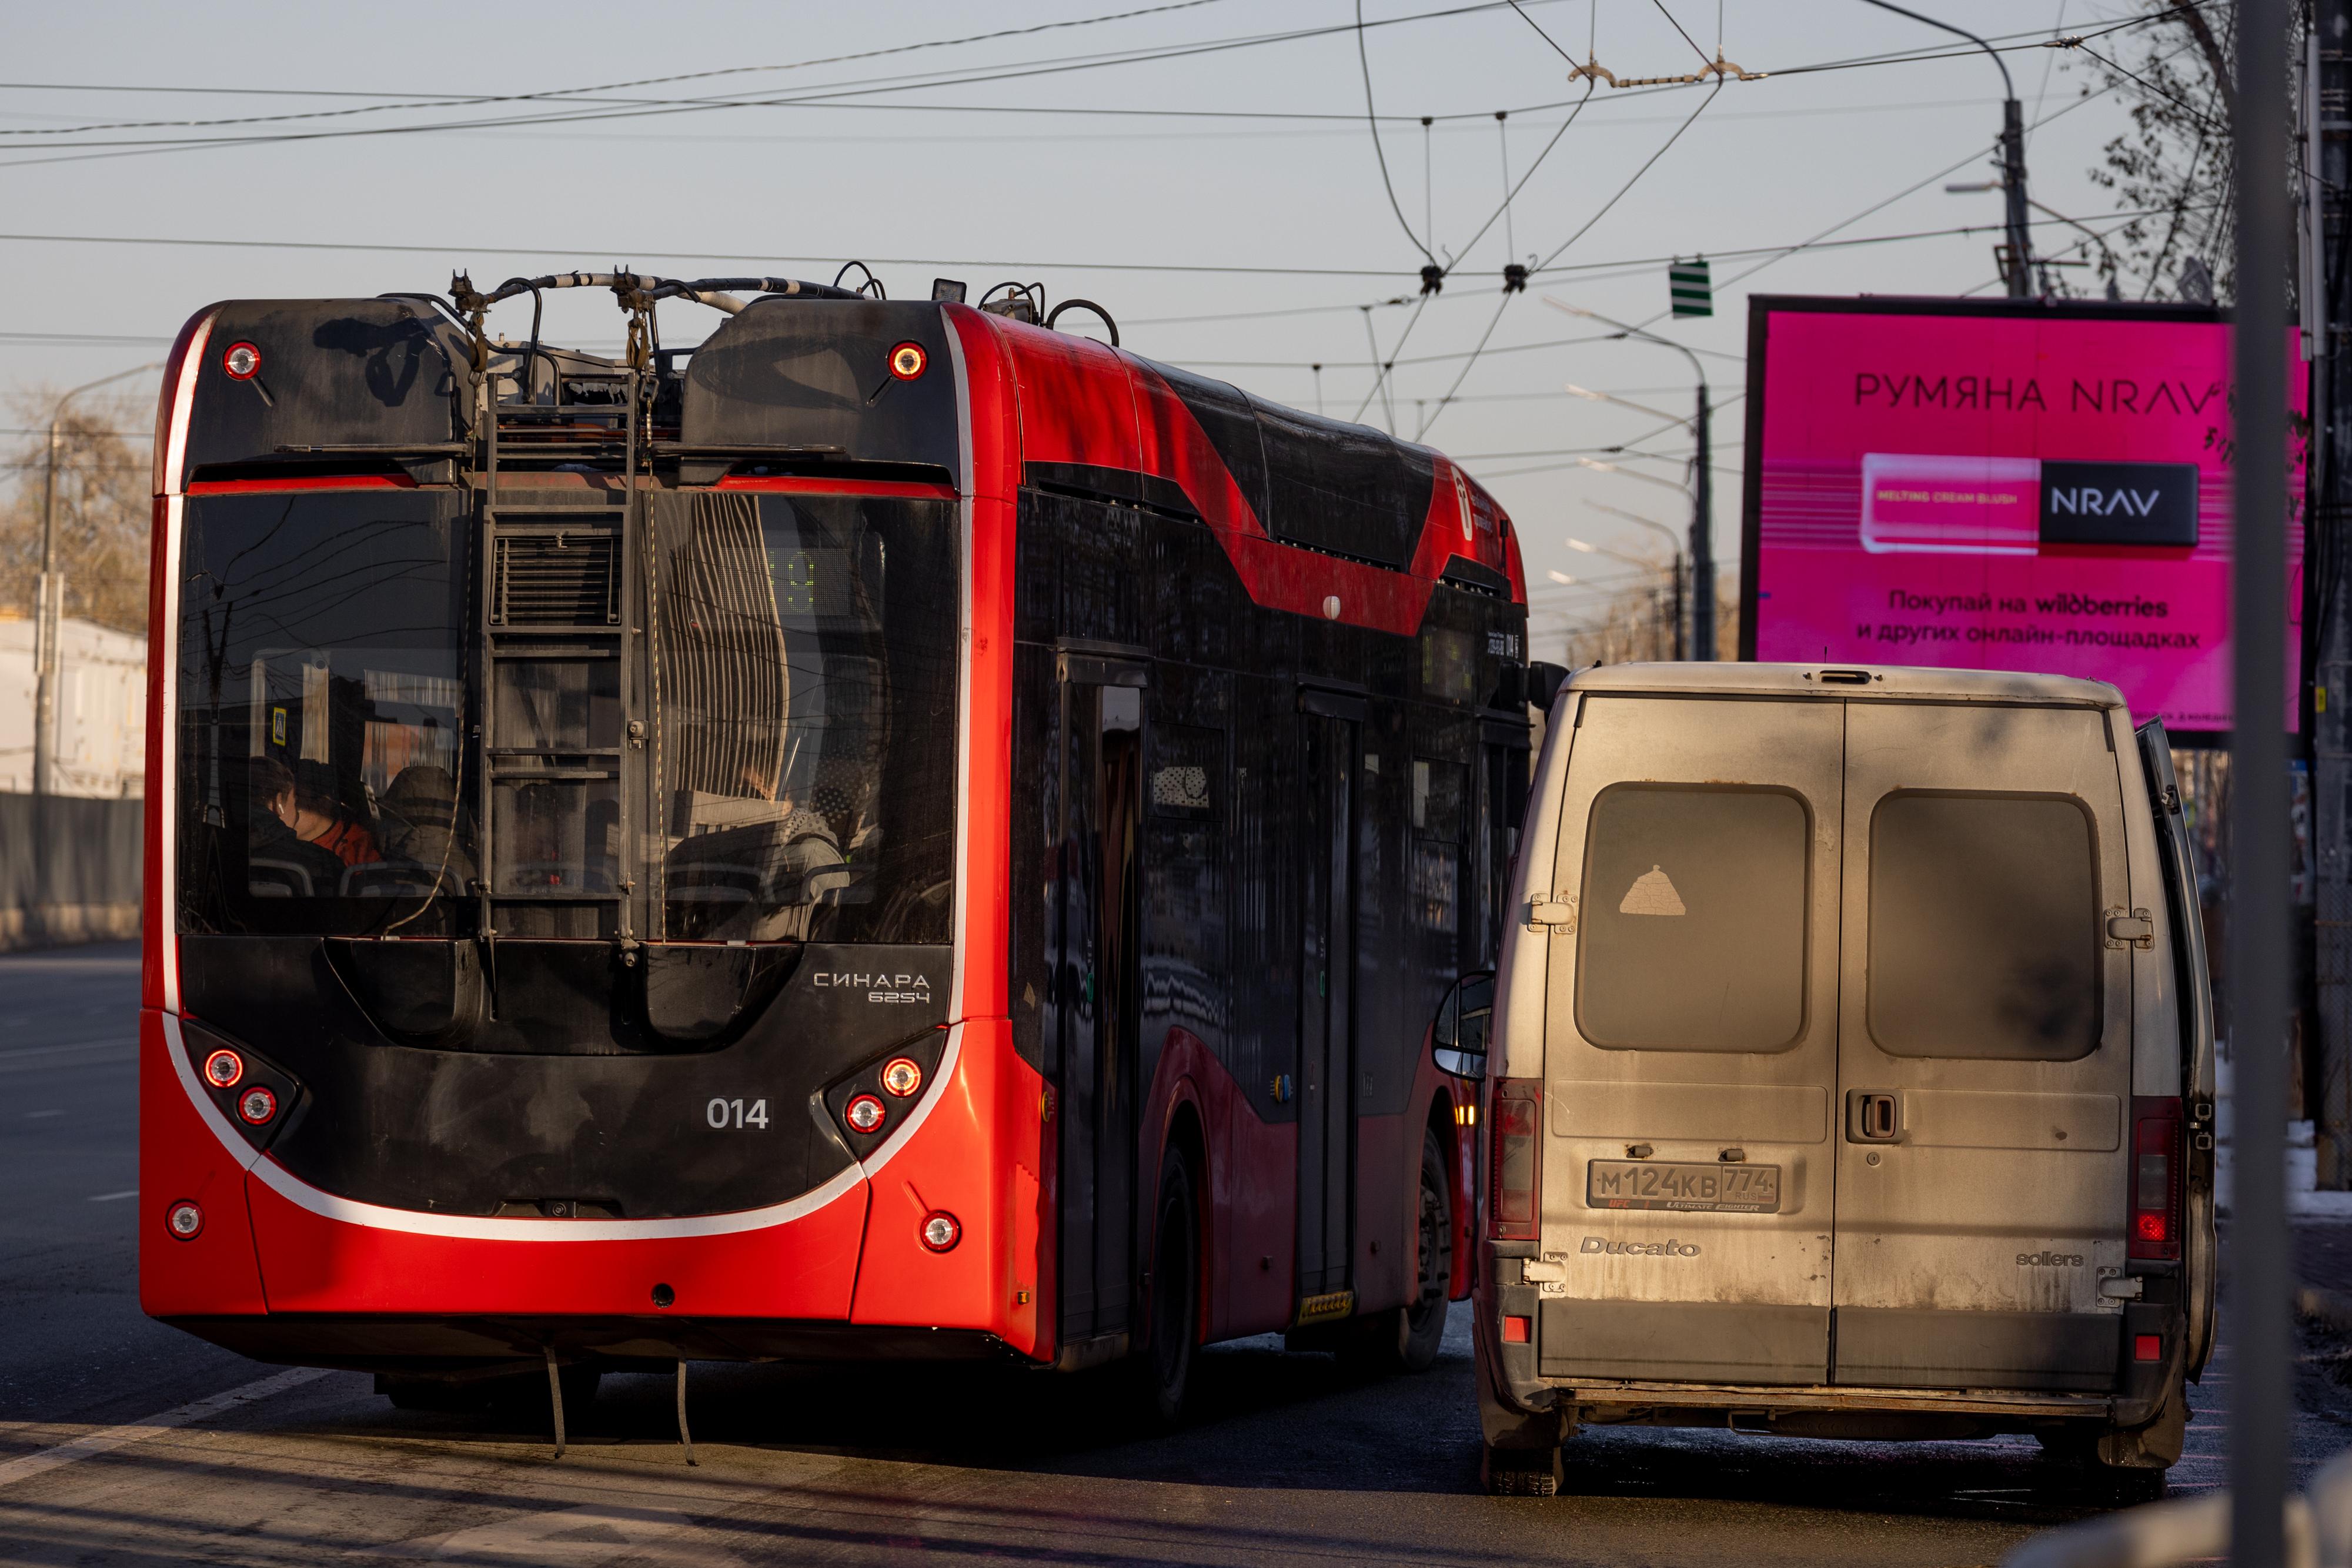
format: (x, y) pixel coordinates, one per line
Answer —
(1984, 928)
(322, 701)
(805, 655)
(1694, 919)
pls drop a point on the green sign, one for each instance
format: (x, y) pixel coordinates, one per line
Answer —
(1686, 281)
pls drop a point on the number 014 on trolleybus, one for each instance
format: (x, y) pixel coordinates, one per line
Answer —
(896, 831)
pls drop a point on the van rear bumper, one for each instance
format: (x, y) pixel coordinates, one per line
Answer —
(1766, 1400)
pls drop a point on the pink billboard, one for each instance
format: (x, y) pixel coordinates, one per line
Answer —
(1985, 485)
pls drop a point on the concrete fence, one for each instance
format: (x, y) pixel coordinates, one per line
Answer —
(69, 870)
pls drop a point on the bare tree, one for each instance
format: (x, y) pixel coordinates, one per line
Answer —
(1634, 624)
(2178, 74)
(103, 488)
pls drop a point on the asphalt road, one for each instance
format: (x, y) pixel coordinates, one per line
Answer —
(1283, 1459)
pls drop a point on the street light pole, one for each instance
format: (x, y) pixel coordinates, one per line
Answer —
(1702, 528)
(1702, 535)
(1674, 545)
(48, 609)
(2012, 155)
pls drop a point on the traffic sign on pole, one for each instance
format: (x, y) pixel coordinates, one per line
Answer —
(1687, 282)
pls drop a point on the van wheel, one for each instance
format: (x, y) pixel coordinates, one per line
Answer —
(2114, 1486)
(1406, 1338)
(1173, 1295)
(1519, 1472)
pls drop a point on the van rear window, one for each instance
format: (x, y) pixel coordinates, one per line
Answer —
(1691, 935)
(1984, 928)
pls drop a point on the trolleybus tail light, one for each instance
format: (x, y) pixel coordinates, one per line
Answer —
(864, 1114)
(256, 1105)
(241, 362)
(222, 1069)
(908, 360)
(2155, 1177)
(941, 1230)
(184, 1221)
(902, 1076)
(1514, 1127)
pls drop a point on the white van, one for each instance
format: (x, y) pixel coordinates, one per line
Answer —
(1852, 1070)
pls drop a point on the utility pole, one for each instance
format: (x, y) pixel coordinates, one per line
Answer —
(2020, 271)
(1702, 527)
(1674, 567)
(2326, 306)
(1702, 533)
(2261, 1387)
(48, 609)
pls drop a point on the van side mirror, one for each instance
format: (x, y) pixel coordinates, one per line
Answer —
(1544, 682)
(1457, 1040)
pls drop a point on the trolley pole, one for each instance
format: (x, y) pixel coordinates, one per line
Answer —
(2262, 1397)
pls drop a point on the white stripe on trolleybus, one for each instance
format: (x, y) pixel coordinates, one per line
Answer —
(92, 1445)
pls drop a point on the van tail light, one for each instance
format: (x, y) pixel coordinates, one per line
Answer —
(1515, 1133)
(2155, 1177)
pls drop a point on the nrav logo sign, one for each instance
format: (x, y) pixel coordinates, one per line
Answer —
(2148, 504)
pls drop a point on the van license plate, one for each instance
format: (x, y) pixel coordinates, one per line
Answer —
(1716, 1188)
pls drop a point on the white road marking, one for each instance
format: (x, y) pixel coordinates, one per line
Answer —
(24, 1050)
(93, 1444)
(110, 1197)
(36, 1116)
(574, 1537)
(41, 1058)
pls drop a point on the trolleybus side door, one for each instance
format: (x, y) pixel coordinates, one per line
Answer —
(1326, 1079)
(1095, 987)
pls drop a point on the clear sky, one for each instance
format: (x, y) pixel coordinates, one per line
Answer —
(1250, 164)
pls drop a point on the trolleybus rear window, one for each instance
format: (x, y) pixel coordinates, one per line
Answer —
(322, 699)
(798, 730)
(806, 654)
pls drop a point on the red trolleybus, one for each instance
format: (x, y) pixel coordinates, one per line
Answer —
(898, 832)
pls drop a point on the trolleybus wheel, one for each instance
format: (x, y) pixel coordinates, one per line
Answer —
(1406, 1338)
(1174, 1292)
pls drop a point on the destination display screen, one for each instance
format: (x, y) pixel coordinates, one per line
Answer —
(1994, 486)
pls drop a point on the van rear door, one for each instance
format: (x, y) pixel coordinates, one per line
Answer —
(1984, 1057)
(1690, 1044)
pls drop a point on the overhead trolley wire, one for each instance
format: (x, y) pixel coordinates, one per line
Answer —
(399, 101)
(826, 93)
(413, 99)
(833, 97)
(1372, 118)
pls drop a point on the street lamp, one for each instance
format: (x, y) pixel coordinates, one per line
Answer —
(1702, 539)
(1673, 543)
(1591, 396)
(2012, 155)
(50, 608)
(1675, 584)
